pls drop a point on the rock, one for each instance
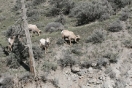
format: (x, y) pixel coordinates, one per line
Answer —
(82, 72)
(94, 64)
(75, 69)
(90, 70)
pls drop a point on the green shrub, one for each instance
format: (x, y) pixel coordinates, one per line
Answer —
(102, 62)
(67, 61)
(60, 42)
(77, 51)
(98, 36)
(89, 11)
(61, 19)
(86, 64)
(125, 14)
(117, 4)
(26, 78)
(38, 54)
(53, 26)
(12, 62)
(104, 17)
(115, 26)
(111, 56)
(58, 6)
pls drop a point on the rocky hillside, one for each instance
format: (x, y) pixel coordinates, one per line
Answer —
(101, 59)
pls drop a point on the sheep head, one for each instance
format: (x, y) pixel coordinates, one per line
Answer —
(40, 31)
(78, 37)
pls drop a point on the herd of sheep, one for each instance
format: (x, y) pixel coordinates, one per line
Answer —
(44, 43)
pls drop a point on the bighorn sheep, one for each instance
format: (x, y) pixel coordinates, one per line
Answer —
(12, 39)
(34, 29)
(44, 43)
(11, 42)
(69, 35)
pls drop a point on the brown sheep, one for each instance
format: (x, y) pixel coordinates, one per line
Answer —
(34, 29)
(70, 36)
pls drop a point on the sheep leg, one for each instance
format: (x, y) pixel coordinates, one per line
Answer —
(38, 34)
(9, 47)
(69, 40)
(76, 41)
(45, 49)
